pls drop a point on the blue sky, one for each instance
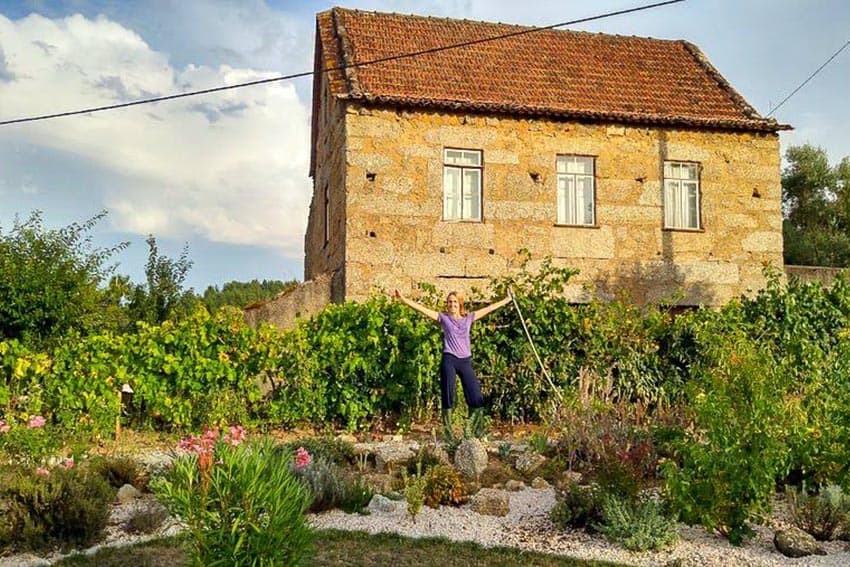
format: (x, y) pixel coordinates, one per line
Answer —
(227, 173)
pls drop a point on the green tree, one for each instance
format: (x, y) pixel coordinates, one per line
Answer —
(162, 296)
(49, 280)
(816, 203)
(242, 294)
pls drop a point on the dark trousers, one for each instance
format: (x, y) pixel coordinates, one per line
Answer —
(450, 366)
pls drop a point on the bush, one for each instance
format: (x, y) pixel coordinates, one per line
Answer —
(444, 485)
(119, 470)
(324, 482)
(636, 525)
(727, 460)
(146, 521)
(825, 515)
(62, 507)
(327, 448)
(241, 505)
(357, 495)
(577, 507)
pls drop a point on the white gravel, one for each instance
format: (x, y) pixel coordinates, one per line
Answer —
(527, 526)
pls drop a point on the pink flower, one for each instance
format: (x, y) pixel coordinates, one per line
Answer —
(235, 436)
(4, 427)
(41, 471)
(302, 458)
(36, 421)
(68, 463)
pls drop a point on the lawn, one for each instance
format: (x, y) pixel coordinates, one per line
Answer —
(337, 548)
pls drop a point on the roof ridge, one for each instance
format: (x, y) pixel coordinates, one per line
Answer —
(502, 24)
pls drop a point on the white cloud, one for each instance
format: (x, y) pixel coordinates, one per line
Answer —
(230, 166)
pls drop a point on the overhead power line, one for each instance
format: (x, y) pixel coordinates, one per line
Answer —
(812, 76)
(339, 68)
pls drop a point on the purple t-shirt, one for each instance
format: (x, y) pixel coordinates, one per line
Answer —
(456, 334)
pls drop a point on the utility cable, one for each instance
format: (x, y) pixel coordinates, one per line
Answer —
(812, 76)
(534, 348)
(339, 68)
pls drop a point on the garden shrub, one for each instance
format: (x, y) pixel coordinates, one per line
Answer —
(146, 520)
(357, 495)
(577, 507)
(444, 486)
(638, 525)
(59, 507)
(324, 483)
(727, 460)
(825, 515)
(119, 470)
(337, 451)
(241, 504)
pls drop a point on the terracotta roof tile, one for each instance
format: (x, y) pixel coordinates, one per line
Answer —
(547, 72)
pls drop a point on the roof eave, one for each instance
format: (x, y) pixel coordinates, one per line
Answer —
(753, 124)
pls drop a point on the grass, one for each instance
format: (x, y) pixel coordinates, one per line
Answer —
(337, 548)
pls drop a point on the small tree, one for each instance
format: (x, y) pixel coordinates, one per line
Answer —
(816, 203)
(162, 296)
(49, 280)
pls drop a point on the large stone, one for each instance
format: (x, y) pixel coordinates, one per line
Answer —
(127, 493)
(382, 504)
(393, 455)
(794, 542)
(491, 502)
(471, 458)
(529, 462)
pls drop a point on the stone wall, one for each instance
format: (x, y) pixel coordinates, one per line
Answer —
(394, 235)
(324, 241)
(821, 274)
(301, 302)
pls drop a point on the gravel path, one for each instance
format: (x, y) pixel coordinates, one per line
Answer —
(527, 526)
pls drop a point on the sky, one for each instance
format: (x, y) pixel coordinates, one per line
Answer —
(226, 174)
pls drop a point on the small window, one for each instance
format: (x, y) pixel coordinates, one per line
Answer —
(576, 190)
(462, 172)
(681, 195)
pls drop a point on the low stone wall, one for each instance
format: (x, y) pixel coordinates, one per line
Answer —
(301, 302)
(822, 274)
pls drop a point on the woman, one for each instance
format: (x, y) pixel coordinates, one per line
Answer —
(457, 354)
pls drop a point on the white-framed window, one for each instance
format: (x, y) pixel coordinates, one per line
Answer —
(462, 173)
(576, 190)
(681, 195)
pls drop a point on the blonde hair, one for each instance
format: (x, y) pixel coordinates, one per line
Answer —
(459, 297)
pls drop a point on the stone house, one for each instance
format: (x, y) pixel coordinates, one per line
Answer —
(629, 158)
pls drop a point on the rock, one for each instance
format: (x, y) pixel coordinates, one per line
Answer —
(490, 502)
(529, 462)
(539, 483)
(393, 455)
(382, 504)
(127, 493)
(794, 542)
(347, 438)
(514, 485)
(471, 458)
